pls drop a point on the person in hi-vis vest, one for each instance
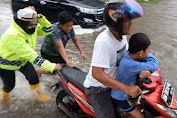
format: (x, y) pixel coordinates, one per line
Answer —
(17, 51)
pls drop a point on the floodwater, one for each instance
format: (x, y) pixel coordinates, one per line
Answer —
(159, 23)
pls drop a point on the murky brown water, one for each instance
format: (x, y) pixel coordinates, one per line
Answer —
(159, 23)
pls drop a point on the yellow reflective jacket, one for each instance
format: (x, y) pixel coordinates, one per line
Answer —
(17, 47)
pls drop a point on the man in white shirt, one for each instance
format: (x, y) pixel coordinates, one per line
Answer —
(109, 48)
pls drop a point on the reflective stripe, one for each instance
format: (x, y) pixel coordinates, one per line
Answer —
(12, 63)
(48, 29)
(39, 61)
(36, 60)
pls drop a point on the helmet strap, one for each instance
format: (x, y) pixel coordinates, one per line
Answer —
(117, 35)
(119, 30)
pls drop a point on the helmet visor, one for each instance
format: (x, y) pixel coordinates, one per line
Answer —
(129, 9)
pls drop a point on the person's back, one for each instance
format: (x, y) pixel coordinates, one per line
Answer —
(136, 61)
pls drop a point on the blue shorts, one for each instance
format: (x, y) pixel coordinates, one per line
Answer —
(125, 105)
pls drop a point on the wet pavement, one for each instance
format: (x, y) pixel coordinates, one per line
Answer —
(159, 23)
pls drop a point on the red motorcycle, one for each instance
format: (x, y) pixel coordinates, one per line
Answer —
(159, 100)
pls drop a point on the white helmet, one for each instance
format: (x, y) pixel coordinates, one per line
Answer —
(26, 13)
(24, 17)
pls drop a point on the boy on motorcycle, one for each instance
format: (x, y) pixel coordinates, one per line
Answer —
(109, 48)
(136, 60)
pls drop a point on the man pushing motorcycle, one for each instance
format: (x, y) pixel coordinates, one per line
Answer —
(109, 48)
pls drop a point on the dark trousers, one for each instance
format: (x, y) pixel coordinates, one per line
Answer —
(53, 59)
(100, 99)
(8, 76)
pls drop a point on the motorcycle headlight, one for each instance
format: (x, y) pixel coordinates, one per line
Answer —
(171, 112)
(89, 11)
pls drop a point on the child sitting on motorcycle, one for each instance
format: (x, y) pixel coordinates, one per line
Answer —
(136, 61)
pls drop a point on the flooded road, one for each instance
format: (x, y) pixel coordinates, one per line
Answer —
(159, 23)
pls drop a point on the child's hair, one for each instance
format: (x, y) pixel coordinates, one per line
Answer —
(64, 17)
(138, 42)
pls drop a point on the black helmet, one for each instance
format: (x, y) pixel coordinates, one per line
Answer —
(116, 10)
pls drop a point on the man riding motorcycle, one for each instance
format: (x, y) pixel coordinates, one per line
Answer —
(109, 48)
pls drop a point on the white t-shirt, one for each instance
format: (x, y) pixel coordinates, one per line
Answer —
(105, 55)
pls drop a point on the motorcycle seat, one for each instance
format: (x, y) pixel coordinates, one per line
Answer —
(75, 76)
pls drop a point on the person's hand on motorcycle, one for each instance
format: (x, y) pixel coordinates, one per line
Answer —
(70, 64)
(58, 67)
(144, 73)
(133, 91)
(84, 56)
(41, 71)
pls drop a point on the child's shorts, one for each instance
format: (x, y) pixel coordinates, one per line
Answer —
(125, 105)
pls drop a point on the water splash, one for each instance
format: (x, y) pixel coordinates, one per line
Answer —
(80, 31)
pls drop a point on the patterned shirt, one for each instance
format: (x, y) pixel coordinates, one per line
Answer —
(48, 46)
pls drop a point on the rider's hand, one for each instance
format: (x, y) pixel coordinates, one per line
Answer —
(144, 73)
(133, 91)
(83, 56)
(70, 64)
(58, 67)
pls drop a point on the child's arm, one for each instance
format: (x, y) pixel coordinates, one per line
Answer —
(144, 73)
(150, 64)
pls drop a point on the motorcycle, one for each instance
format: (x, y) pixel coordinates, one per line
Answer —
(159, 100)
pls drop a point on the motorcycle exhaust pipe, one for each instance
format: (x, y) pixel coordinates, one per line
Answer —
(66, 111)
